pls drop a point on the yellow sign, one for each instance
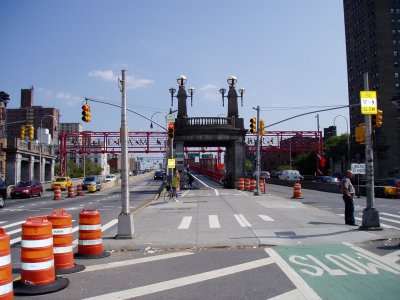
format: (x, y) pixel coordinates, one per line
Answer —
(369, 104)
(171, 163)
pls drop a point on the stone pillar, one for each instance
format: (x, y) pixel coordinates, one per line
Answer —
(31, 173)
(234, 160)
(233, 110)
(179, 156)
(13, 171)
(182, 108)
(52, 164)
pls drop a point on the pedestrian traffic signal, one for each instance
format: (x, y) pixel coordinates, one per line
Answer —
(31, 132)
(22, 132)
(360, 134)
(253, 125)
(377, 119)
(171, 129)
(262, 125)
(86, 113)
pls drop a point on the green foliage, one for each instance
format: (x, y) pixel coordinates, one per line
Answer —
(249, 166)
(306, 163)
(75, 171)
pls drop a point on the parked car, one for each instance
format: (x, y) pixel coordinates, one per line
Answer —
(92, 180)
(3, 193)
(158, 175)
(134, 172)
(62, 182)
(290, 175)
(110, 177)
(263, 174)
(27, 189)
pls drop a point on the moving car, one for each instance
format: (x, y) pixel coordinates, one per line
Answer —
(110, 177)
(290, 175)
(92, 180)
(263, 174)
(327, 179)
(390, 187)
(3, 193)
(158, 175)
(27, 189)
(62, 182)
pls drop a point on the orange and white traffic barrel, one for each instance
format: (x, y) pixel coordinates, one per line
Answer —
(63, 243)
(241, 184)
(263, 186)
(57, 193)
(79, 190)
(247, 184)
(37, 259)
(297, 191)
(71, 192)
(90, 242)
(253, 185)
(6, 280)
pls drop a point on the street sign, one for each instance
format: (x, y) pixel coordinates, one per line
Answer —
(369, 104)
(171, 118)
(171, 163)
(358, 168)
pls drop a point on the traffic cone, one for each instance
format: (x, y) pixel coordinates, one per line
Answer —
(79, 190)
(90, 242)
(297, 191)
(62, 243)
(37, 260)
(71, 192)
(57, 193)
(6, 280)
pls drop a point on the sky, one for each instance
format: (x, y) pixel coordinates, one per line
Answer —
(289, 55)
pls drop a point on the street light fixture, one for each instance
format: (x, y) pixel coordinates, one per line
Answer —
(348, 139)
(182, 79)
(40, 144)
(232, 80)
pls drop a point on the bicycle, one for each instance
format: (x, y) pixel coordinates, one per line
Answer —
(169, 194)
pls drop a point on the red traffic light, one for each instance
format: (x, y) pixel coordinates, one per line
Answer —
(171, 129)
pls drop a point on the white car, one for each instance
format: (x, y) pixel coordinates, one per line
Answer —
(290, 175)
(110, 177)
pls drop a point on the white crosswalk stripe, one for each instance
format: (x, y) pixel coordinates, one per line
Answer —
(213, 220)
(242, 220)
(185, 224)
(387, 222)
(266, 218)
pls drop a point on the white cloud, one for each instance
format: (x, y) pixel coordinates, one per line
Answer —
(209, 92)
(132, 82)
(68, 99)
(63, 97)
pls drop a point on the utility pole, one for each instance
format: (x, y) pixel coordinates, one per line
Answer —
(257, 190)
(125, 219)
(370, 218)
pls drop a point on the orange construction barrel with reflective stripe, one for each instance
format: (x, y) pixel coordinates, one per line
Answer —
(71, 192)
(247, 184)
(63, 243)
(6, 280)
(263, 186)
(253, 184)
(297, 191)
(57, 193)
(90, 242)
(241, 184)
(79, 190)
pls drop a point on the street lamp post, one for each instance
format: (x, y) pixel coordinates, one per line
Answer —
(125, 219)
(166, 134)
(348, 140)
(40, 144)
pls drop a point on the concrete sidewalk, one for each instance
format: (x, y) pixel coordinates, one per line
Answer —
(285, 222)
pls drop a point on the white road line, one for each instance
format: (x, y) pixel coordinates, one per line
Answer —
(183, 281)
(382, 225)
(13, 224)
(14, 231)
(266, 218)
(390, 220)
(305, 290)
(243, 193)
(21, 206)
(136, 261)
(185, 222)
(390, 215)
(216, 192)
(1, 222)
(213, 220)
(184, 194)
(242, 221)
(393, 257)
(292, 295)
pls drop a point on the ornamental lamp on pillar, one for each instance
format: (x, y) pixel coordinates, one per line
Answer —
(232, 97)
(181, 96)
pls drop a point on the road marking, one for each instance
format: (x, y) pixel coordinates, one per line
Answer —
(14, 231)
(1, 222)
(185, 222)
(13, 224)
(136, 261)
(382, 225)
(266, 218)
(243, 193)
(213, 220)
(393, 257)
(184, 194)
(292, 295)
(242, 221)
(305, 290)
(183, 281)
(390, 220)
(216, 192)
(390, 215)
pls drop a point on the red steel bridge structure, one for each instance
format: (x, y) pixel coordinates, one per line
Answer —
(145, 142)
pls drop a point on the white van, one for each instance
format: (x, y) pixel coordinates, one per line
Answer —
(290, 175)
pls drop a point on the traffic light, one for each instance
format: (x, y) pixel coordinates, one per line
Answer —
(377, 119)
(86, 113)
(22, 132)
(253, 125)
(31, 132)
(171, 129)
(262, 125)
(360, 134)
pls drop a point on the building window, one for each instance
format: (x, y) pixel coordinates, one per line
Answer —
(397, 85)
(394, 42)
(396, 75)
(395, 53)
(396, 63)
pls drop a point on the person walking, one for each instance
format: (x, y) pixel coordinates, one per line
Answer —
(348, 192)
(175, 184)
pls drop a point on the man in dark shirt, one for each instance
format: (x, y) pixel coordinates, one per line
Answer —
(348, 192)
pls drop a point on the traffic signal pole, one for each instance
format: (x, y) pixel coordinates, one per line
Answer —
(370, 218)
(257, 190)
(125, 219)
